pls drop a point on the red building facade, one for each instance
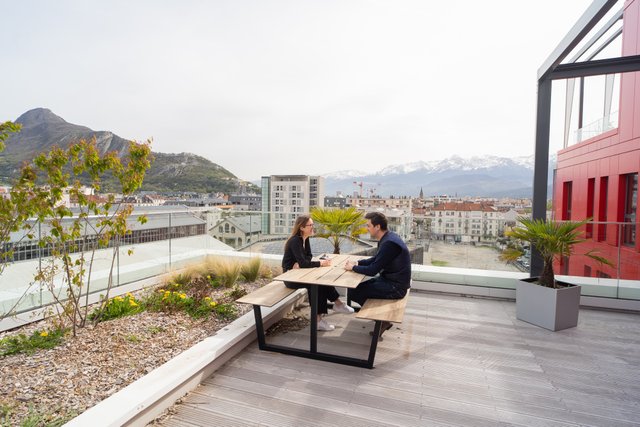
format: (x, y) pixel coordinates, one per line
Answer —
(598, 178)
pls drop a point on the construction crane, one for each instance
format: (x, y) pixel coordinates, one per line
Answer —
(372, 190)
(358, 184)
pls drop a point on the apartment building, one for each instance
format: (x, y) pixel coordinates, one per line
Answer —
(381, 202)
(246, 202)
(285, 197)
(237, 231)
(466, 222)
(400, 220)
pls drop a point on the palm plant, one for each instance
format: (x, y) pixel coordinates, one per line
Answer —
(553, 240)
(338, 224)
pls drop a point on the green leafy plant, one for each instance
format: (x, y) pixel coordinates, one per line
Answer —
(133, 338)
(336, 225)
(236, 292)
(38, 192)
(226, 311)
(251, 269)
(116, 307)
(176, 300)
(553, 240)
(22, 343)
(213, 280)
(7, 128)
(154, 330)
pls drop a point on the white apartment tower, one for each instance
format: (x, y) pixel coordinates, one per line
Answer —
(285, 197)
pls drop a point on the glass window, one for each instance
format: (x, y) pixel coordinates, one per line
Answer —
(566, 200)
(630, 207)
(602, 208)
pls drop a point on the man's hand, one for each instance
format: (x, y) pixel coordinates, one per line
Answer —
(348, 266)
(296, 265)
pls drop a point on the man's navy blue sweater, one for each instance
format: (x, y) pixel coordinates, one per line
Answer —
(392, 261)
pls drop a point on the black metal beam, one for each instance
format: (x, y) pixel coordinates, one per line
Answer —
(541, 163)
(587, 21)
(598, 67)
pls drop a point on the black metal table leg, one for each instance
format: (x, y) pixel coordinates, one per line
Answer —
(313, 324)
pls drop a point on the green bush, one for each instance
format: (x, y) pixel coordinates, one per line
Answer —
(116, 307)
(29, 344)
(174, 301)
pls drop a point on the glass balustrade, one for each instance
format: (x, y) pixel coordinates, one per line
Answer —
(170, 241)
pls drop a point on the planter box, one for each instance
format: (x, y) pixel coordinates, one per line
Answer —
(552, 309)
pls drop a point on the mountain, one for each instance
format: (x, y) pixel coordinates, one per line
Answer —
(489, 176)
(42, 129)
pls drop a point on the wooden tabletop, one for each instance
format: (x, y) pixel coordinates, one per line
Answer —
(333, 275)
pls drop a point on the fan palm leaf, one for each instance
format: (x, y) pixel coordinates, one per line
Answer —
(337, 225)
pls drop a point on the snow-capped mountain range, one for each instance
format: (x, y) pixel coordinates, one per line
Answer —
(490, 176)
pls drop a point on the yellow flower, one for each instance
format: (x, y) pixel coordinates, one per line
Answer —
(132, 303)
(129, 295)
(44, 333)
(119, 298)
(213, 303)
(162, 290)
(208, 277)
(207, 298)
(182, 296)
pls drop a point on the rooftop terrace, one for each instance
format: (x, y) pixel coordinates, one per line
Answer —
(454, 361)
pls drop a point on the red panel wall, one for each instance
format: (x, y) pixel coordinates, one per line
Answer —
(612, 154)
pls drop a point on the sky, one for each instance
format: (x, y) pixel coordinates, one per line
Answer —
(267, 87)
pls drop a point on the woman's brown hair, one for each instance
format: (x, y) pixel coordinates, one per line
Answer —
(301, 222)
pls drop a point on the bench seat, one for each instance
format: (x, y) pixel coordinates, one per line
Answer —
(268, 295)
(389, 310)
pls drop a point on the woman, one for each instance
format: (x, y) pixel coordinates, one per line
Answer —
(297, 254)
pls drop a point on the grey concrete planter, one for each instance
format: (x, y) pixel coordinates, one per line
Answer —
(552, 309)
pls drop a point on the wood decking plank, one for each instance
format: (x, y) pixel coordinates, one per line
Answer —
(463, 361)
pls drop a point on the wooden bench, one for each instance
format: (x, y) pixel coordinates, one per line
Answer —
(266, 296)
(382, 310)
(389, 310)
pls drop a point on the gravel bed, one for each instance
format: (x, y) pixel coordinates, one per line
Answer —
(58, 384)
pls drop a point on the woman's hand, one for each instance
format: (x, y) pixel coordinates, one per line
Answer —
(296, 265)
(325, 262)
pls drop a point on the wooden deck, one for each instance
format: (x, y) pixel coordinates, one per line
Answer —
(454, 361)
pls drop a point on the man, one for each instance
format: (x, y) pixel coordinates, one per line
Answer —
(392, 262)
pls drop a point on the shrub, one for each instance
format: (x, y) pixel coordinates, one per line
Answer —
(29, 344)
(116, 307)
(175, 300)
(168, 300)
(251, 269)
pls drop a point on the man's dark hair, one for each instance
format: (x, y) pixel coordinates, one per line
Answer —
(377, 218)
